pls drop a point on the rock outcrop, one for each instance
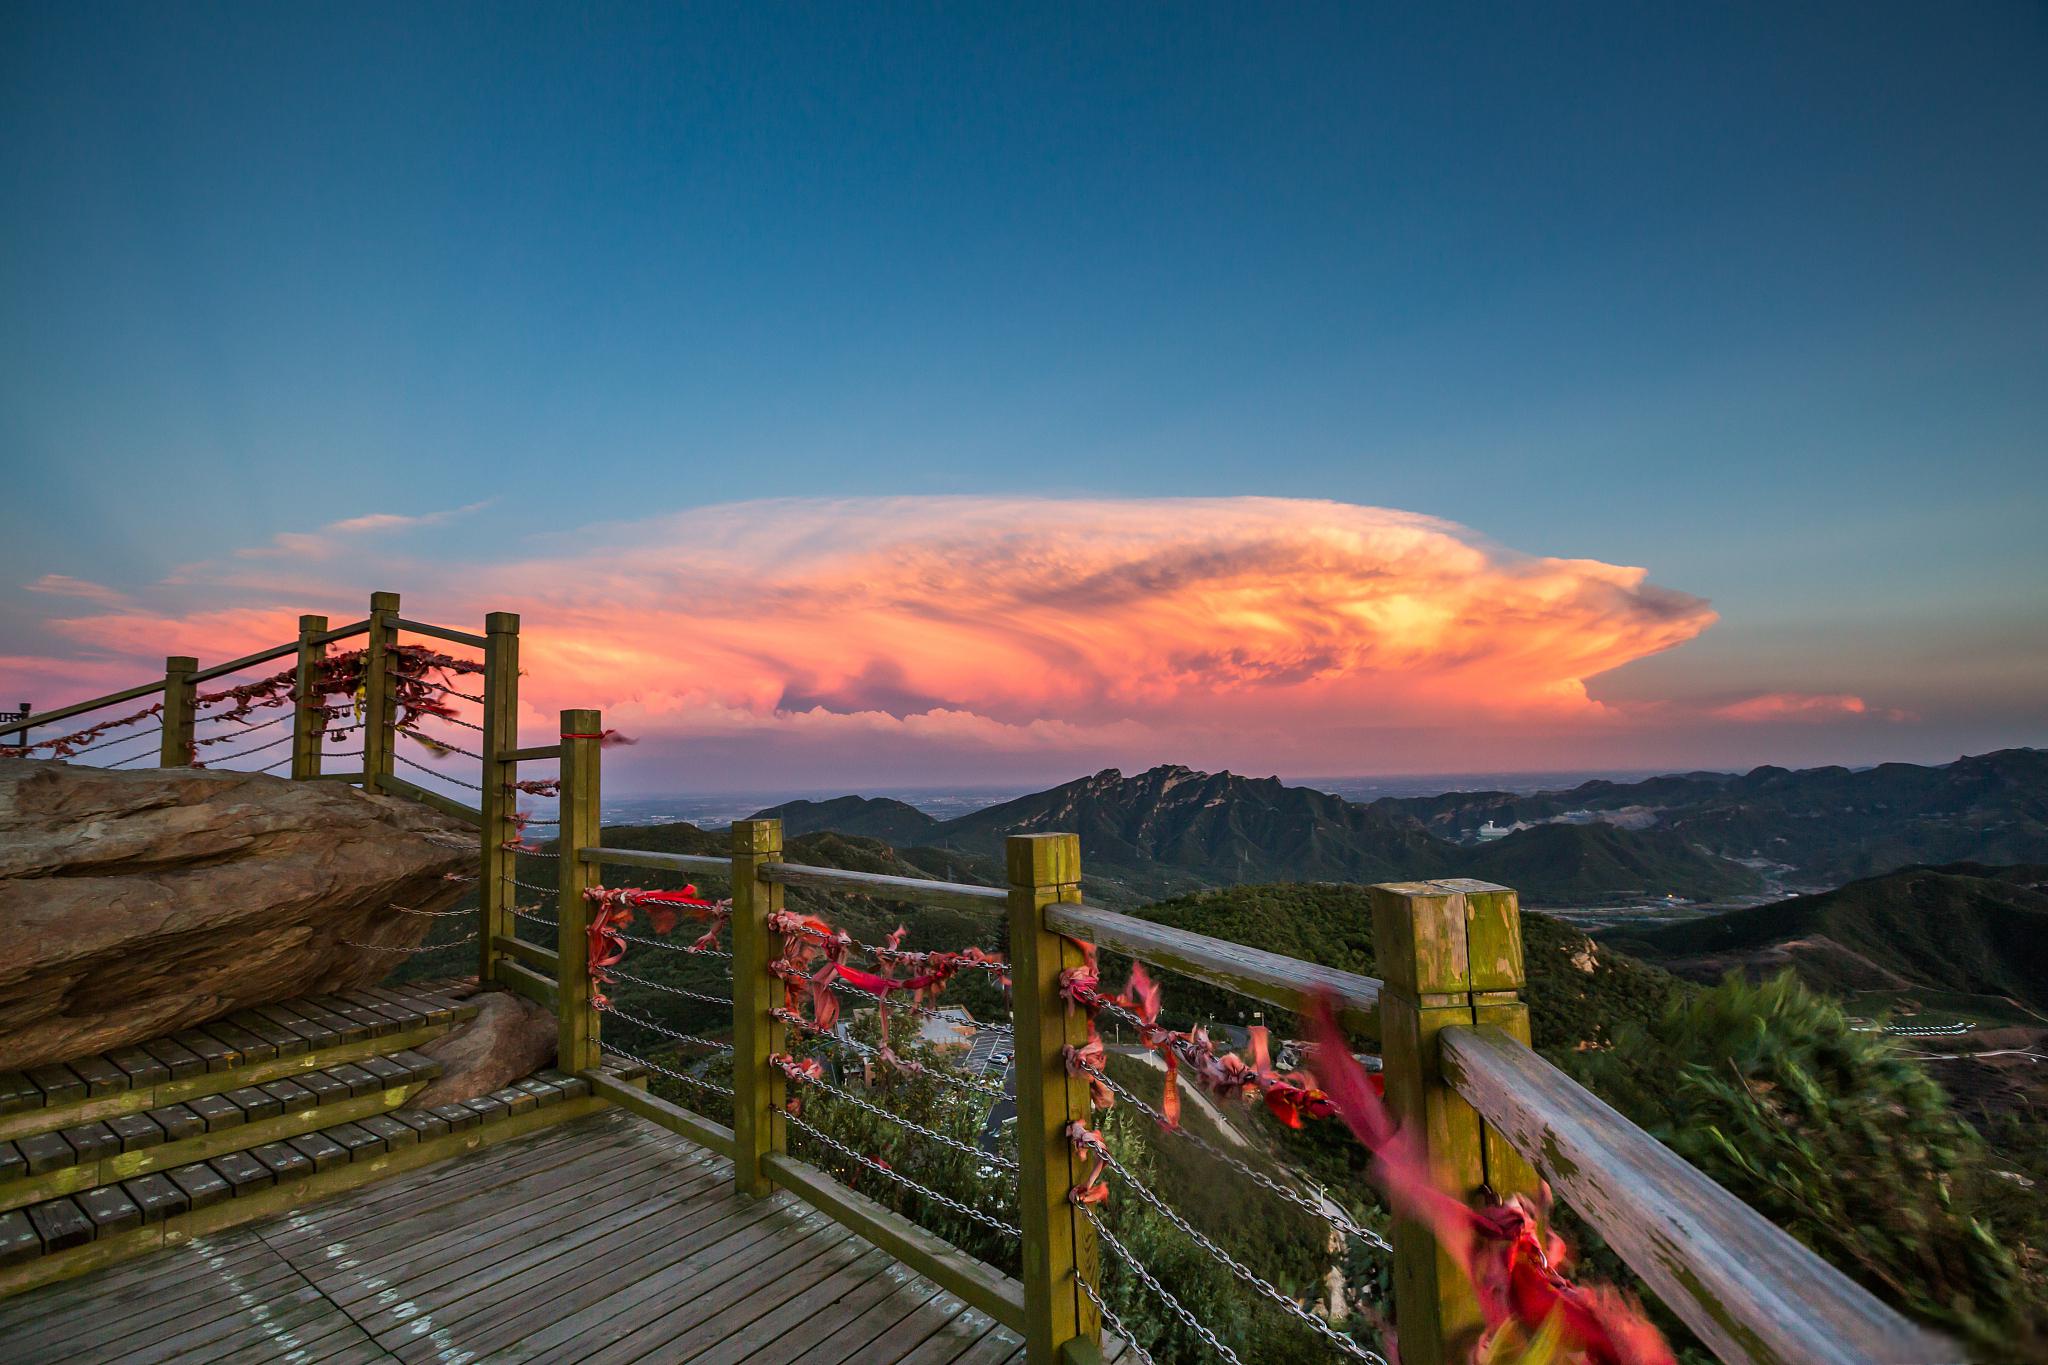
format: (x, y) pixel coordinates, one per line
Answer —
(510, 1037)
(136, 903)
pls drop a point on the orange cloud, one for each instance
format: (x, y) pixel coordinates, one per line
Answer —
(1803, 706)
(1185, 628)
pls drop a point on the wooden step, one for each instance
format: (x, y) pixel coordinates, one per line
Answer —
(81, 1231)
(38, 1166)
(247, 1048)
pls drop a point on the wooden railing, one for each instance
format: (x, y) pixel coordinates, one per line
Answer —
(1448, 1020)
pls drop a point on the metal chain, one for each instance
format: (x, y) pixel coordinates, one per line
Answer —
(1115, 1323)
(1238, 1268)
(436, 772)
(431, 742)
(542, 890)
(940, 1072)
(664, 1029)
(423, 948)
(674, 947)
(672, 990)
(342, 753)
(673, 1075)
(965, 1148)
(1242, 1167)
(249, 729)
(434, 914)
(1194, 1323)
(239, 753)
(273, 767)
(117, 739)
(884, 953)
(537, 919)
(465, 724)
(132, 758)
(985, 1219)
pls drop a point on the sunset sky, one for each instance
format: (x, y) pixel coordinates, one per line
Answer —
(861, 396)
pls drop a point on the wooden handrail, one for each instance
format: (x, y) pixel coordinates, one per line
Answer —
(1277, 980)
(458, 637)
(663, 862)
(328, 637)
(42, 718)
(1750, 1290)
(534, 754)
(261, 656)
(446, 805)
(954, 895)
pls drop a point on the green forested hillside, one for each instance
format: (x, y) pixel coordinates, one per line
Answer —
(1961, 928)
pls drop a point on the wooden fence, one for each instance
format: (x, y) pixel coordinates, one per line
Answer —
(1449, 1021)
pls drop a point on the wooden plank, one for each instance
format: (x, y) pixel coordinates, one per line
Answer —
(497, 823)
(101, 1076)
(309, 703)
(916, 1328)
(1059, 1245)
(535, 754)
(979, 1283)
(448, 806)
(755, 1231)
(541, 990)
(142, 1069)
(1277, 980)
(576, 1046)
(542, 960)
(759, 1089)
(175, 745)
(1751, 1291)
(347, 632)
(50, 717)
(665, 862)
(453, 637)
(850, 1341)
(953, 895)
(739, 1305)
(700, 1130)
(261, 656)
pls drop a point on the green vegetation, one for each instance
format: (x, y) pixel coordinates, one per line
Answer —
(1836, 1137)
(1963, 928)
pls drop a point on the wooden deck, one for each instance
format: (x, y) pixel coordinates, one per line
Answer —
(605, 1239)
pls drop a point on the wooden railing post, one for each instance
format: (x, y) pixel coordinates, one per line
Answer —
(1451, 953)
(309, 713)
(380, 714)
(500, 803)
(179, 706)
(1059, 1242)
(758, 1088)
(576, 1046)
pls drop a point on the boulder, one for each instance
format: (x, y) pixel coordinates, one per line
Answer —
(510, 1037)
(138, 902)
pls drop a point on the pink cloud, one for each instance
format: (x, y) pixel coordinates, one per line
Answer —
(1193, 629)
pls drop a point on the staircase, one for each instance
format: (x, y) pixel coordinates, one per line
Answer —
(112, 1155)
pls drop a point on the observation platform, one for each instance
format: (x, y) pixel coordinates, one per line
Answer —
(602, 1239)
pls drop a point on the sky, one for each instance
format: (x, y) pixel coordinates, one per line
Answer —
(874, 395)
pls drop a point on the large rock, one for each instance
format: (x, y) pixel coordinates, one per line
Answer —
(136, 903)
(510, 1037)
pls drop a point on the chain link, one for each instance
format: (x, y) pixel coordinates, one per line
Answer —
(1115, 1323)
(541, 890)
(985, 1219)
(435, 772)
(1238, 1268)
(433, 914)
(965, 1148)
(672, 990)
(939, 1072)
(1194, 1323)
(675, 947)
(423, 948)
(848, 988)
(1242, 1167)
(430, 742)
(663, 1029)
(246, 728)
(656, 1067)
(153, 731)
(222, 758)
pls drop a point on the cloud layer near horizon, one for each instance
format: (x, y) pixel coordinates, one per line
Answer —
(1169, 626)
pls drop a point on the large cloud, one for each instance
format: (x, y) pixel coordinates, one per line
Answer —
(1180, 628)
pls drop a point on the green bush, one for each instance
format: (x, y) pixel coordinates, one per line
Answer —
(1832, 1134)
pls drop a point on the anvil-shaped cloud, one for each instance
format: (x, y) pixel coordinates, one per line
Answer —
(1196, 629)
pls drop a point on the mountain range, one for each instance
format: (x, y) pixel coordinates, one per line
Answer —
(1698, 836)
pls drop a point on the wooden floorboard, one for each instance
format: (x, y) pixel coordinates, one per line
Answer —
(606, 1240)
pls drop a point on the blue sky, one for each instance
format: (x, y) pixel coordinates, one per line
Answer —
(1756, 300)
